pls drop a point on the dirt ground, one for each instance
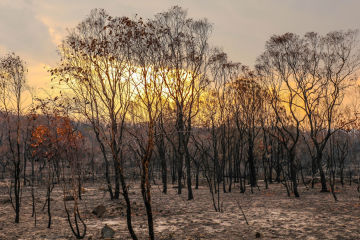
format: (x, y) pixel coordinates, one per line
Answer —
(270, 213)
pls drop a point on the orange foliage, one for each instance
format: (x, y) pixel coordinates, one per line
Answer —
(66, 133)
(41, 142)
(39, 135)
(47, 141)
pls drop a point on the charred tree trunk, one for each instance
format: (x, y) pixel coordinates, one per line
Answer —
(251, 160)
(322, 174)
(293, 172)
(163, 171)
(117, 179)
(49, 205)
(17, 192)
(197, 176)
(103, 151)
(145, 183)
(188, 173)
(180, 172)
(128, 205)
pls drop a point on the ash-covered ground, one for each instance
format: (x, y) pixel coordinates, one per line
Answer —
(271, 214)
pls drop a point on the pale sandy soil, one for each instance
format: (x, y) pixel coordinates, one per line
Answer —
(270, 212)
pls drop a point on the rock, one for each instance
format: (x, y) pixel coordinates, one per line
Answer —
(107, 232)
(68, 198)
(257, 235)
(5, 201)
(99, 211)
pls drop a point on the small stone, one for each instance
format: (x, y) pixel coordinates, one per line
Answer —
(99, 211)
(107, 232)
(5, 201)
(68, 198)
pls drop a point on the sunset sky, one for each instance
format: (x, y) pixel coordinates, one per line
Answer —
(34, 28)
